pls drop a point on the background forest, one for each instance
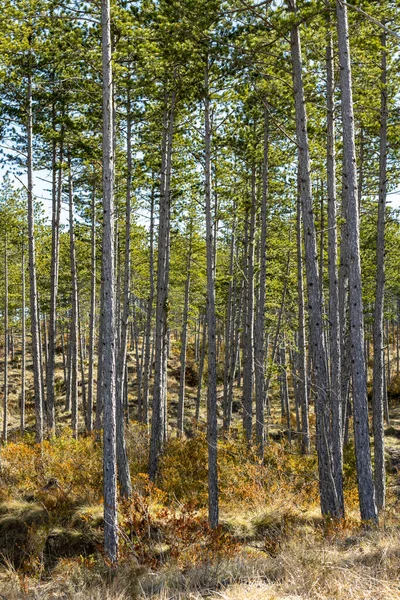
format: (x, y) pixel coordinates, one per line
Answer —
(199, 299)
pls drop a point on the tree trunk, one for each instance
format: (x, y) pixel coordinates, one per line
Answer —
(361, 433)
(6, 342)
(248, 346)
(124, 476)
(328, 492)
(55, 251)
(378, 365)
(229, 332)
(36, 354)
(302, 355)
(144, 416)
(92, 318)
(212, 439)
(259, 337)
(73, 338)
(23, 359)
(201, 369)
(182, 379)
(108, 340)
(334, 319)
(159, 416)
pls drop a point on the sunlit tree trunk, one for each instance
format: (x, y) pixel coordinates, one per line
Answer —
(108, 340)
(23, 333)
(212, 439)
(36, 353)
(334, 320)
(328, 492)
(259, 333)
(361, 431)
(379, 367)
(73, 338)
(124, 476)
(6, 342)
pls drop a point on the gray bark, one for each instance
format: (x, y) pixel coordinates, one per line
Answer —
(108, 328)
(302, 355)
(144, 416)
(201, 369)
(73, 338)
(159, 416)
(248, 346)
(229, 331)
(361, 432)
(182, 379)
(328, 493)
(6, 342)
(334, 319)
(55, 251)
(92, 317)
(212, 439)
(23, 333)
(36, 353)
(378, 365)
(124, 476)
(259, 333)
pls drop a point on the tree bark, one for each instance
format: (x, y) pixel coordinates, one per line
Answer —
(328, 492)
(212, 439)
(108, 340)
(144, 416)
(124, 476)
(55, 251)
(361, 432)
(334, 318)
(378, 365)
(302, 354)
(36, 354)
(182, 379)
(259, 337)
(73, 338)
(23, 359)
(6, 342)
(159, 416)
(92, 318)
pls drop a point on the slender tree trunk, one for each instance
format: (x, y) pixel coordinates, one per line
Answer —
(144, 417)
(378, 366)
(23, 359)
(334, 318)
(201, 369)
(36, 354)
(108, 328)
(229, 331)
(182, 379)
(82, 365)
(248, 347)
(6, 342)
(55, 251)
(159, 416)
(124, 476)
(302, 355)
(361, 432)
(92, 324)
(259, 337)
(73, 339)
(328, 492)
(212, 439)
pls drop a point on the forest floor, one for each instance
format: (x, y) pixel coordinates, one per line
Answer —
(272, 543)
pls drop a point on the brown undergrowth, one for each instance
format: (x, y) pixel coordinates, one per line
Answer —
(271, 541)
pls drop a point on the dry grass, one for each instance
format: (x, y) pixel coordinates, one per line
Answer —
(284, 549)
(362, 566)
